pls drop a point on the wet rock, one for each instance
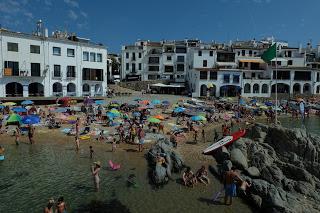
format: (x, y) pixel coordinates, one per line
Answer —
(225, 153)
(253, 172)
(227, 165)
(256, 200)
(238, 159)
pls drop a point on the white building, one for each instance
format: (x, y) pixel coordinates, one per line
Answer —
(58, 65)
(147, 60)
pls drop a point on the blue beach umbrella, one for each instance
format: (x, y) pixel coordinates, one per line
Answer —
(179, 109)
(61, 110)
(27, 102)
(19, 109)
(165, 102)
(156, 102)
(136, 114)
(137, 99)
(99, 102)
(31, 119)
(268, 103)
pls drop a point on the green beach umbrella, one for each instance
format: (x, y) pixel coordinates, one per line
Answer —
(14, 118)
(154, 120)
(114, 111)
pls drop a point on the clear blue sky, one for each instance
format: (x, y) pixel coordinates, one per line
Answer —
(119, 22)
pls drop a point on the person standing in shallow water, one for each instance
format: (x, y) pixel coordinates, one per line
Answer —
(31, 134)
(17, 135)
(77, 143)
(95, 173)
(61, 206)
(91, 152)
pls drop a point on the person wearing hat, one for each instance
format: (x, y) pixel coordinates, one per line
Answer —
(49, 207)
(95, 169)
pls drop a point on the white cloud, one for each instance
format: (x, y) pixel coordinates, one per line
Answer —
(48, 3)
(84, 14)
(72, 15)
(72, 3)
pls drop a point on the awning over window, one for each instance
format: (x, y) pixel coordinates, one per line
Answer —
(256, 60)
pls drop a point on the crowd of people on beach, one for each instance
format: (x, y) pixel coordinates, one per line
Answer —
(136, 124)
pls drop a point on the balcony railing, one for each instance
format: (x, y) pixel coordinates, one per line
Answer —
(7, 72)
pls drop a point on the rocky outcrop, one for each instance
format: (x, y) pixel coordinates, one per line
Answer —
(161, 173)
(282, 165)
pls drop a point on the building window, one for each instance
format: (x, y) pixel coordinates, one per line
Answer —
(289, 62)
(243, 52)
(154, 68)
(236, 79)
(140, 55)
(238, 53)
(133, 56)
(211, 53)
(56, 51)
(86, 56)
(35, 69)
(133, 67)
(226, 78)
(250, 52)
(264, 88)
(180, 67)
(13, 47)
(70, 52)
(180, 58)
(127, 66)
(213, 75)
(99, 57)
(71, 71)
(92, 57)
(11, 68)
(169, 58)
(168, 69)
(154, 60)
(205, 63)
(247, 88)
(35, 49)
(203, 75)
(127, 55)
(199, 53)
(140, 66)
(56, 70)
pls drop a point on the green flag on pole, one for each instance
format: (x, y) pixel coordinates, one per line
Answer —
(270, 53)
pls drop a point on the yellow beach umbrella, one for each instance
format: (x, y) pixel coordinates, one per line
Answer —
(8, 104)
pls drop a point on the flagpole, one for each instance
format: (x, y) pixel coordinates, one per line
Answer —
(276, 115)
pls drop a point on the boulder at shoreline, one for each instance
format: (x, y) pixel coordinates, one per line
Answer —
(282, 165)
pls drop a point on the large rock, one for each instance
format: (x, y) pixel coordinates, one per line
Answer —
(160, 174)
(238, 159)
(253, 172)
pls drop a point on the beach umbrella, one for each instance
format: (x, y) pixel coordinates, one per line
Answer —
(8, 104)
(198, 118)
(264, 107)
(150, 106)
(179, 109)
(165, 103)
(88, 101)
(19, 109)
(99, 102)
(113, 105)
(137, 99)
(1, 107)
(111, 115)
(242, 102)
(160, 117)
(268, 103)
(14, 118)
(210, 85)
(136, 114)
(114, 111)
(27, 102)
(61, 110)
(156, 102)
(144, 102)
(31, 119)
(154, 120)
(253, 101)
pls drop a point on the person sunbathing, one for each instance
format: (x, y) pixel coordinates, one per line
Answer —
(189, 178)
(202, 175)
